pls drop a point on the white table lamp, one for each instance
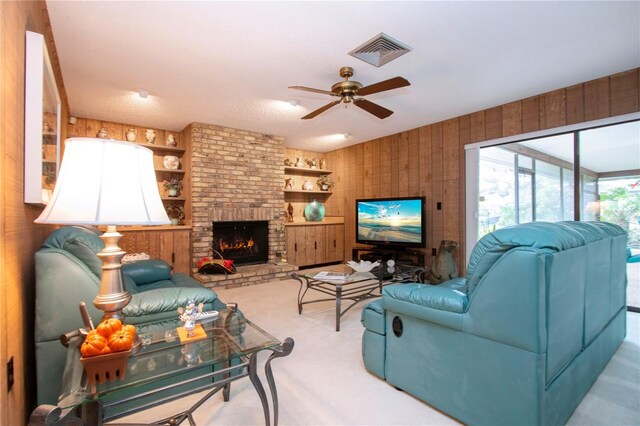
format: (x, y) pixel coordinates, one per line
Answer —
(106, 182)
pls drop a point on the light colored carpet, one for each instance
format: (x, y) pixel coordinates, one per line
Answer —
(324, 382)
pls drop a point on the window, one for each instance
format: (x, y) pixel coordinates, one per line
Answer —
(536, 180)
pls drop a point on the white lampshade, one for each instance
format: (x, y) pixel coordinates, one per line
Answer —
(105, 182)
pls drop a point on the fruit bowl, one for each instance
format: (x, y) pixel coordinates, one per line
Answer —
(362, 266)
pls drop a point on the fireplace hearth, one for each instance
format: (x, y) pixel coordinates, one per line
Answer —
(245, 242)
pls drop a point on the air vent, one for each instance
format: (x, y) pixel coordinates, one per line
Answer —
(380, 50)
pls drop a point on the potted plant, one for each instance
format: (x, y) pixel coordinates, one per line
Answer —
(173, 185)
(175, 212)
(325, 183)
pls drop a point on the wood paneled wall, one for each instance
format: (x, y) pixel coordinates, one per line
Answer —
(430, 160)
(19, 237)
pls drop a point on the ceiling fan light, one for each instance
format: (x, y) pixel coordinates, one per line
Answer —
(293, 102)
(143, 94)
(347, 135)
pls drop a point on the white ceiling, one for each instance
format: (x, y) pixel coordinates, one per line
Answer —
(230, 63)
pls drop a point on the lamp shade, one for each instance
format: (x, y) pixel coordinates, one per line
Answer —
(105, 182)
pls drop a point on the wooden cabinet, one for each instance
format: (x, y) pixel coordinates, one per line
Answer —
(171, 243)
(313, 244)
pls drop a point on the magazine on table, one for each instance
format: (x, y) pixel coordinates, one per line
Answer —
(331, 276)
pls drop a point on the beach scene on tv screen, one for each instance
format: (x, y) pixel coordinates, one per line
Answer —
(390, 221)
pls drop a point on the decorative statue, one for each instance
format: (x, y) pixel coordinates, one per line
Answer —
(323, 163)
(313, 163)
(299, 162)
(171, 140)
(288, 183)
(289, 213)
(150, 135)
(188, 316)
(444, 268)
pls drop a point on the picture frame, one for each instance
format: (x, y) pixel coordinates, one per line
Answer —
(42, 111)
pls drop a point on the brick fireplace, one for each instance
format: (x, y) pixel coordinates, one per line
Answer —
(237, 175)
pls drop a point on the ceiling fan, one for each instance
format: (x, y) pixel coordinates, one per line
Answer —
(347, 90)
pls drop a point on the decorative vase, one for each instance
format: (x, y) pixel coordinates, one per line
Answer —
(307, 185)
(172, 192)
(150, 136)
(131, 135)
(171, 140)
(314, 211)
(175, 221)
(171, 162)
(103, 133)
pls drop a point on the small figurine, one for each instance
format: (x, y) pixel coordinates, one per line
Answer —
(323, 163)
(103, 133)
(289, 213)
(131, 135)
(288, 183)
(171, 140)
(150, 135)
(299, 162)
(307, 185)
(313, 163)
(46, 127)
(288, 163)
(188, 315)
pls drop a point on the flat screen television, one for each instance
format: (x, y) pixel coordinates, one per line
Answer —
(392, 222)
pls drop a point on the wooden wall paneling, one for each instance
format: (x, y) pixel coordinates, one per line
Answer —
(368, 170)
(359, 177)
(464, 138)
(403, 164)
(575, 103)
(596, 99)
(376, 165)
(512, 118)
(394, 165)
(493, 123)
(553, 112)
(114, 129)
(451, 181)
(437, 182)
(624, 92)
(413, 168)
(530, 115)
(426, 181)
(385, 167)
(477, 127)
(20, 237)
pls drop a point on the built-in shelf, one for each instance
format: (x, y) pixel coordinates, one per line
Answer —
(163, 148)
(327, 220)
(163, 170)
(173, 198)
(302, 191)
(307, 170)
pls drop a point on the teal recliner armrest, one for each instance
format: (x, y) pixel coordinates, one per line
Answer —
(442, 305)
(147, 271)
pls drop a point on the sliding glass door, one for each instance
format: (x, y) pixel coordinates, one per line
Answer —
(591, 174)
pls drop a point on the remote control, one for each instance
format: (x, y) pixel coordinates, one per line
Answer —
(207, 316)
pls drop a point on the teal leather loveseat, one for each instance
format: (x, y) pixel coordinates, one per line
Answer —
(68, 272)
(520, 339)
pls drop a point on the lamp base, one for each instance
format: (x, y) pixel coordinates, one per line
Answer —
(113, 297)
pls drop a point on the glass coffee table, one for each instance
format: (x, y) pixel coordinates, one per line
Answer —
(164, 369)
(340, 282)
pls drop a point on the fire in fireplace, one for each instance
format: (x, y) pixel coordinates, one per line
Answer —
(246, 242)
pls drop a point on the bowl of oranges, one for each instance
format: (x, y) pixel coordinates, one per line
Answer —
(106, 349)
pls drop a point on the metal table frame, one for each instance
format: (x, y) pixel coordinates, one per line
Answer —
(91, 411)
(356, 290)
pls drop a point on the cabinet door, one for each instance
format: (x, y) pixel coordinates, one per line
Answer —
(319, 243)
(292, 246)
(174, 247)
(181, 255)
(334, 243)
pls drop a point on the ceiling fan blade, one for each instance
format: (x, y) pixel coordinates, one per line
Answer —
(311, 89)
(392, 83)
(321, 110)
(372, 108)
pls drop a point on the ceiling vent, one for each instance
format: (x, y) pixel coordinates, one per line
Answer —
(380, 50)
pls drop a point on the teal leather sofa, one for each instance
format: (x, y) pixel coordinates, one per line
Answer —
(520, 339)
(68, 272)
